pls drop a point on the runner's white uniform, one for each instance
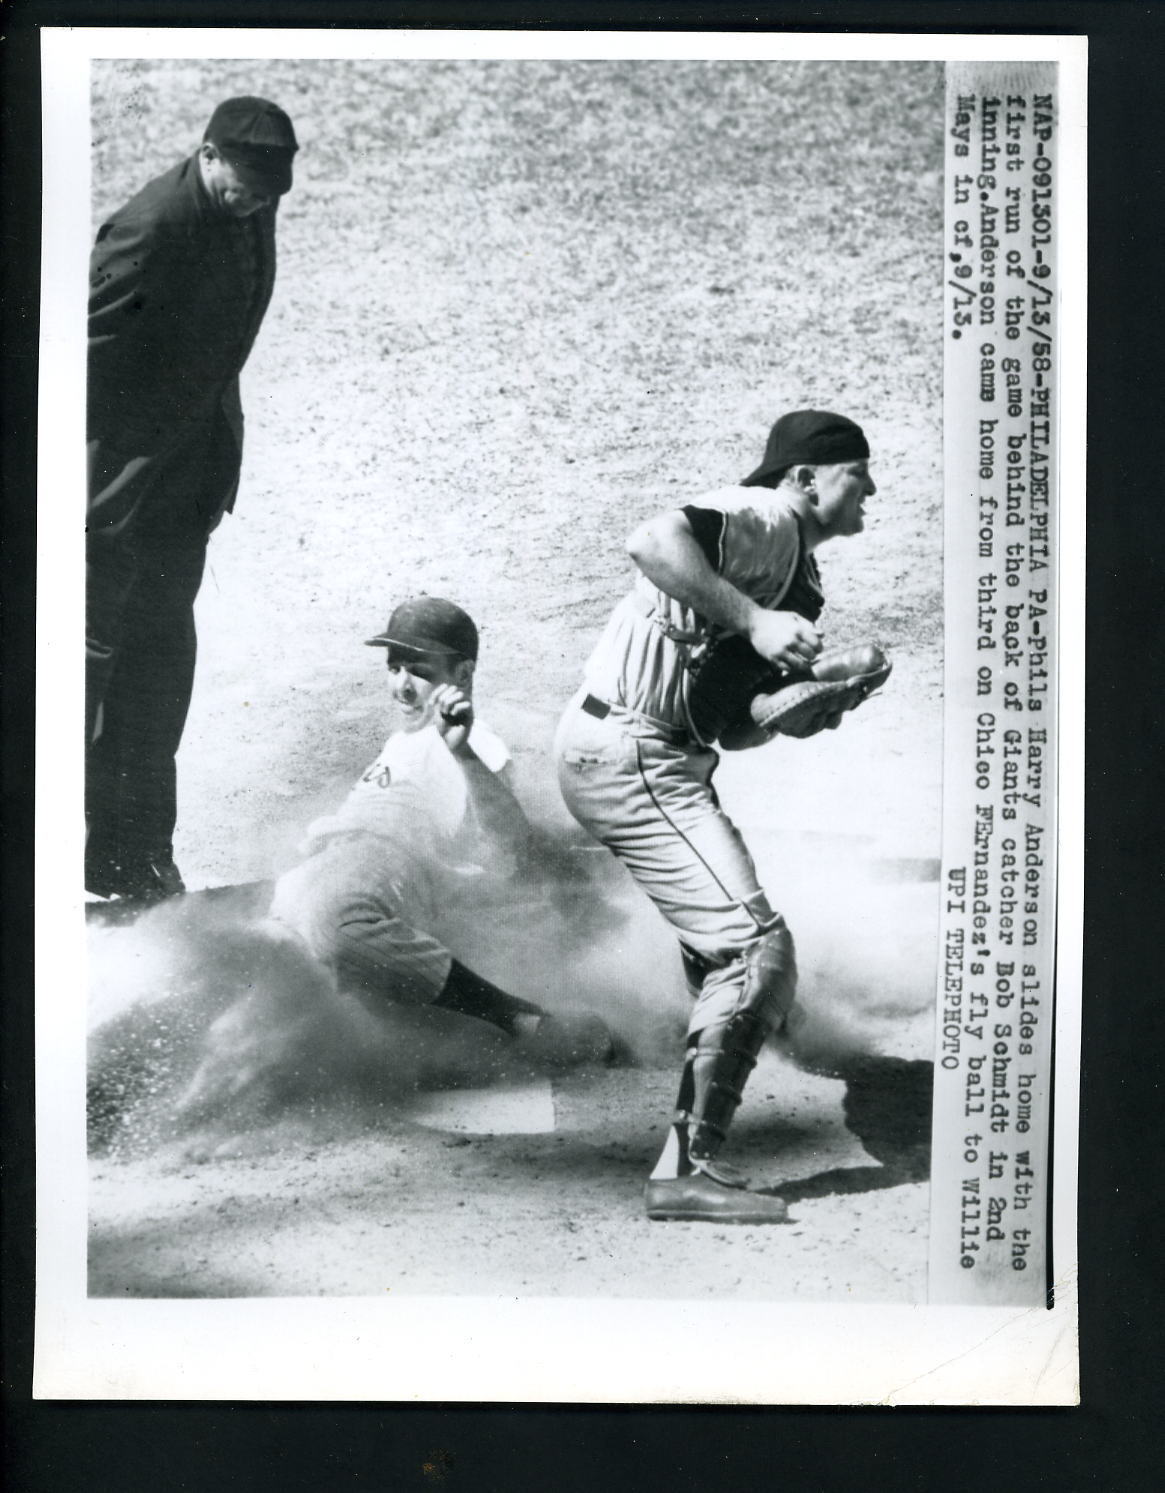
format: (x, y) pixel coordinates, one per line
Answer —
(632, 770)
(380, 873)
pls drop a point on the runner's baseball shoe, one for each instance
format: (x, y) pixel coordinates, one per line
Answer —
(566, 1039)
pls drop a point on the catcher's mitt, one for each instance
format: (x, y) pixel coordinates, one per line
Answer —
(740, 700)
(840, 681)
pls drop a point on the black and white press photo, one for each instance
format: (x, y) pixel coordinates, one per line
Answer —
(574, 541)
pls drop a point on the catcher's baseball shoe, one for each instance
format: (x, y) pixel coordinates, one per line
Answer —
(568, 1039)
(701, 1199)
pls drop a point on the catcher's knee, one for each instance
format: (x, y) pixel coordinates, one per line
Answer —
(696, 969)
(770, 977)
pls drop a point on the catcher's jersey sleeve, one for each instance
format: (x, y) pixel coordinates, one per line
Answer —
(707, 526)
(752, 538)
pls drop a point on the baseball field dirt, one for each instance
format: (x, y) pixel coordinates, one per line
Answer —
(519, 307)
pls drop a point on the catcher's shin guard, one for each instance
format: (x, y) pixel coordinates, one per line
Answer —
(770, 984)
(722, 1055)
(705, 1191)
(716, 1070)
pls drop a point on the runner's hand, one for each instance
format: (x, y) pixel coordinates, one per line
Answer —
(452, 715)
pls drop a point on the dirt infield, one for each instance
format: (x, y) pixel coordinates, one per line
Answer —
(520, 306)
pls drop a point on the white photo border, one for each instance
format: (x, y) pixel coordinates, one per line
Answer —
(338, 1349)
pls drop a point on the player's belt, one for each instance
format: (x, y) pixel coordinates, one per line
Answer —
(638, 723)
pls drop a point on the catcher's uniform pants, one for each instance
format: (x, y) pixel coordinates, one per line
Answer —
(148, 524)
(650, 801)
(358, 918)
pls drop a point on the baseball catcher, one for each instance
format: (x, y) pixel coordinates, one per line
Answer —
(718, 644)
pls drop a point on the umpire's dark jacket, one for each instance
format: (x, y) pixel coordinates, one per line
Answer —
(177, 293)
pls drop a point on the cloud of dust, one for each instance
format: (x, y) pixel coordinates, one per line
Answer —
(210, 1022)
(579, 935)
(866, 943)
(206, 1017)
(169, 996)
(866, 953)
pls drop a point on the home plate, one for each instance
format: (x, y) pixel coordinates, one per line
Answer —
(524, 1107)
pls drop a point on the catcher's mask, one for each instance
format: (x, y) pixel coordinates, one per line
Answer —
(810, 437)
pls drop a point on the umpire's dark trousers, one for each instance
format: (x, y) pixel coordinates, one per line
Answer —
(148, 524)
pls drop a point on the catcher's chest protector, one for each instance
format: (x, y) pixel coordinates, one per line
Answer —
(723, 684)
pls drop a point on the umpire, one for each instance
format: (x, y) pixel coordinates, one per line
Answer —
(180, 279)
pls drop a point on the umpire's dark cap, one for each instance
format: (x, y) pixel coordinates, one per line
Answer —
(812, 437)
(427, 624)
(257, 135)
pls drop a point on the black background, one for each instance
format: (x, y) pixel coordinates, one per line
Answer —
(1113, 1440)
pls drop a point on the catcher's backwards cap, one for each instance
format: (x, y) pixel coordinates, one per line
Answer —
(427, 624)
(257, 135)
(812, 437)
